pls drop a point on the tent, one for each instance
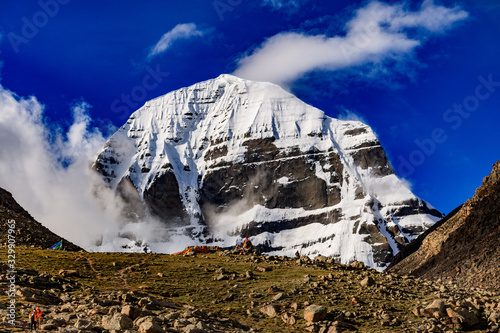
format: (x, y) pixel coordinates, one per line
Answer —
(57, 246)
(246, 246)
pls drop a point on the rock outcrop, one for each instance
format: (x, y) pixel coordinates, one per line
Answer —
(227, 158)
(27, 230)
(465, 246)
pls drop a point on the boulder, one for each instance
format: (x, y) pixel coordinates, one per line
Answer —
(139, 321)
(367, 281)
(269, 310)
(314, 313)
(436, 308)
(48, 327)
(278, 297)
(117, 322)
(465, 317)
(83, 324)
(357, 265)
(320, 258)
(150, 326)
(288, 319)
(131, 311)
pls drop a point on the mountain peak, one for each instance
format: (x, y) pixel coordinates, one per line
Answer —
(227, 157)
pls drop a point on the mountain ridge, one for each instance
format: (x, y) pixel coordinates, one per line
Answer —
(464, 247)
(28, 231)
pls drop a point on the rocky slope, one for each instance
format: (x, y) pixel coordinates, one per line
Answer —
(233, 292)
(27, 230)
(465, 246)
(227, 158)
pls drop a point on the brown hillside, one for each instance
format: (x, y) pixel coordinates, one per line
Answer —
(28, 230)
(465, 246)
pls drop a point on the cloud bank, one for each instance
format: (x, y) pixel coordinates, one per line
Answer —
(180, 31)
(48, 172)
(378, 32)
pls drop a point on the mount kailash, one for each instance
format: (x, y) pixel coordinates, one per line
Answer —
(227, 158)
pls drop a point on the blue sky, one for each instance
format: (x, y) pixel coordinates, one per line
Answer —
(424, 75)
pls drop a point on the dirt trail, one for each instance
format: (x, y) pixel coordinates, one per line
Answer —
(120, 275)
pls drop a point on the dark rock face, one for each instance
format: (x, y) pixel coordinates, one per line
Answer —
(465, 246)
(258, 181)
(164, 200)
(28, 230)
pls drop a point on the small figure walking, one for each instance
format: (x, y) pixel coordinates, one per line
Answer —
(32, 319)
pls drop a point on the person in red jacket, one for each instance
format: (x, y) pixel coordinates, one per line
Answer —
(39, 317)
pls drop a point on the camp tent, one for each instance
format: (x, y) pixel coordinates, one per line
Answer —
(57, 246)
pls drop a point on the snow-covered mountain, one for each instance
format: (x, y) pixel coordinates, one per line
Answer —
(227, 157)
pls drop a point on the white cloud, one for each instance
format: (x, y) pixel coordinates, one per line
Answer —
(283, 4)
(350, 115)
(378, 32)
(180, 31)
(48, 172)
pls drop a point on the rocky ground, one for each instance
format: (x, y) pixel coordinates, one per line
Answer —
(233, 292)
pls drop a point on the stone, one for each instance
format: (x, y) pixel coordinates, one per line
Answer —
(138, 322)
(494, 317)
(278, 296)
(465, 317)
(357, 265)
(48, 327)
(311, 327)
(150, 326)
(131, 311)
(83, 324)
(288, 318)
(314, 313)
(128, 298)
(193, 329)
(68, 330)
(179, 323)
(69, 273)
(437, 304)
(334, 329)
(220, 277)
(269, 310)
(117, 322)
(320, 258)
(67, 308)
(63, 318)
(172, 316)
(367, 281)
(416, 311)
